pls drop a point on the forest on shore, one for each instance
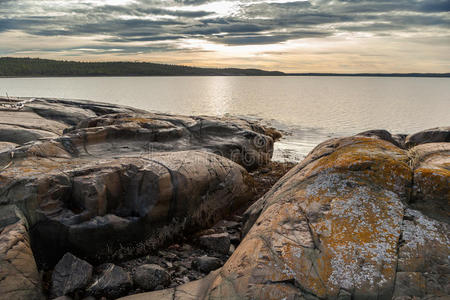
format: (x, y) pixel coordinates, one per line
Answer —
(37, 67)
(34, 67)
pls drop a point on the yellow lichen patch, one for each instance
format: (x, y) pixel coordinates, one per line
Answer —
(335, 225)
(432, 181)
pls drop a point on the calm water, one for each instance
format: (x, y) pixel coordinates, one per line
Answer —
(309, 109)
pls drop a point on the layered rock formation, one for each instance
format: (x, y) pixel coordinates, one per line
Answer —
(362, 217)
(359, 218)
(89, 177)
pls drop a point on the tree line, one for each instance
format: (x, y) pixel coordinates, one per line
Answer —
(10, 66)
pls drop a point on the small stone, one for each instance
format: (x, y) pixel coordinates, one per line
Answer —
(113, 282)
(182, 270)
(206, 264)
(219, 242)
(70, 274)
(150, 276)
(168, 255)
(186, 247)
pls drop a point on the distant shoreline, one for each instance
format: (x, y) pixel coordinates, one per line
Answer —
(397, 75)
(11, 67)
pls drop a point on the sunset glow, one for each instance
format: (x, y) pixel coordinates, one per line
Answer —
(291, 36)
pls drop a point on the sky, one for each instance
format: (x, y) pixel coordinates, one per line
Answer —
(344, 36)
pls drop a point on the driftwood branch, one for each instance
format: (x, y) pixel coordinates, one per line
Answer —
(16, 105)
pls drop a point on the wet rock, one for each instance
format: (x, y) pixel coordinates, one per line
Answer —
(149, 277)
(219, 242)
(19, 277)
(70, 274)
(112, 282)
(206, 264)
(433, 135)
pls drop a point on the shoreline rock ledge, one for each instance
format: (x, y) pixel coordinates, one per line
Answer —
(361, 217)
(88, 178)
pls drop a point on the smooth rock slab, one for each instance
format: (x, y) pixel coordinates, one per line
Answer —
(117, 170)
(70, 274)
(433, 135)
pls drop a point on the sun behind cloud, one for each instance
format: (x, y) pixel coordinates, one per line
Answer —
(292, 36)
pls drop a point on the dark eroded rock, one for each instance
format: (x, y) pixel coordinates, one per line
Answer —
(206, 264)
(433, 135)
(112, 282)
(151, 276)
(70, 274)
(383, 135)
(218, 242)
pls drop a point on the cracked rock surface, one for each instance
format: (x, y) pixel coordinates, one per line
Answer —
(359, 218)
(89, 177)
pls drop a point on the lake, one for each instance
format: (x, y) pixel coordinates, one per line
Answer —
(308, 109)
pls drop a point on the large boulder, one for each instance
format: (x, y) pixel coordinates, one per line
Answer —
(433, 135)
(120, 175)
(343, 224)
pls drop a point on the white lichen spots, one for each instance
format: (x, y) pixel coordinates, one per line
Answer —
(363, 243)
(326, 184)
(421, 230)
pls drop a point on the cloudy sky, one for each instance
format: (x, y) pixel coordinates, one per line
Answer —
(293, 36)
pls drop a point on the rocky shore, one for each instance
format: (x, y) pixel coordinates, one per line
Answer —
(105, 201)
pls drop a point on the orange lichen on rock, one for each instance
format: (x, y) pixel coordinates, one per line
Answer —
(334, 225)
(431, 190)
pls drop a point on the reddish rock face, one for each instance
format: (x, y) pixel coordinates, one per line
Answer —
(19, 277)
(357, 218)
(104, 175)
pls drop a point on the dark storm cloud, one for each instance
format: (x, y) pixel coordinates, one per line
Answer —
(250, 22)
